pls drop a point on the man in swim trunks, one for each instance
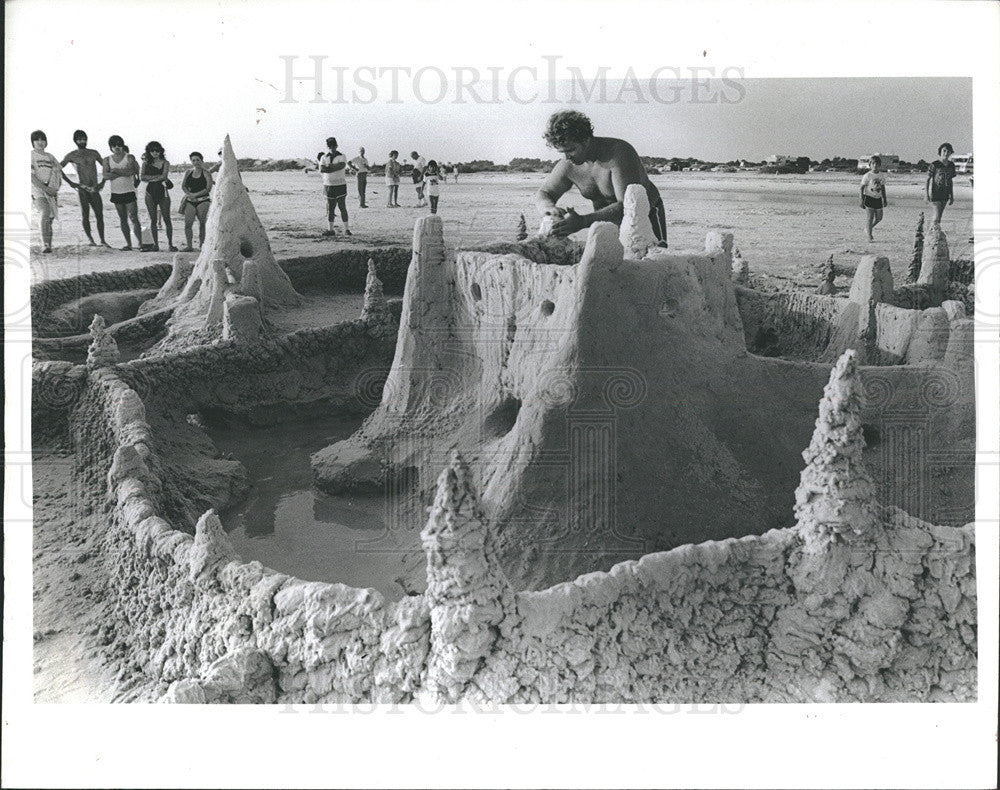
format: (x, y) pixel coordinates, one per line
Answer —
(601, 168)
(85, 160)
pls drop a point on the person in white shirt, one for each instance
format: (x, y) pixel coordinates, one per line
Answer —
(873, 198)
(332, 166)
(46, 177)
(419, 165)
(360, 163)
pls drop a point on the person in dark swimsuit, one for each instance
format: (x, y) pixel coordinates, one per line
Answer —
(156, 173)
(197, 186)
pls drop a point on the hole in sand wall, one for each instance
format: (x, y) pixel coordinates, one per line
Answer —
(548, 308)
(246, 248)
(477, 292)
(871, 434)
(501, 420)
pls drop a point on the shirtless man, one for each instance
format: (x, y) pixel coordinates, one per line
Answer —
(88, 189)
(601, 168)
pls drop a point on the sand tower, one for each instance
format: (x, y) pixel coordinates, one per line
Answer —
(235, 264)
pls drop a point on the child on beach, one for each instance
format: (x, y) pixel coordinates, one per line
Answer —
(392, 170)
(873, 197)
(432, 177)
(333, 166)
(419, 165)
(939, 188)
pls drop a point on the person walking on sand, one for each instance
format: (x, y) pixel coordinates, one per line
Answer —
(392, 170)
(601, 168)
(939, 187)
(432, 177)
(873, 196)
(88, 188)
(46, 178)
(360, 163)
(156, 173)
(419, 165)
(122, 170)
(333, 167)
(197, 188)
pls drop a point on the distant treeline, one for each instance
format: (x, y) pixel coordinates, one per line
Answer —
(653, 164)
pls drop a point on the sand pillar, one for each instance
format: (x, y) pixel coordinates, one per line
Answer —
(466, 590)
(250, 284)
(375, 308)
(936, 261)
(220, 286)
(930, 340)
(835, 500)
(636, 232)
(103, 350)
(241, 319)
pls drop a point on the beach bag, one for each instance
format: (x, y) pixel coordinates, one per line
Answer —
(146, 241)
(168, 184)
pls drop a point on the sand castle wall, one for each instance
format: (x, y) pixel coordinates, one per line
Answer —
(888, 617)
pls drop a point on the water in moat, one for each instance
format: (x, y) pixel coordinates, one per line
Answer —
(292, 527)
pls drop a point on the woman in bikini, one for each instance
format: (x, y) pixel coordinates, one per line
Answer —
(197, 186)
(122, 171)
(156, 173)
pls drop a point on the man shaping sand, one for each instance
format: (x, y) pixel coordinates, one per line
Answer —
(88, 189)
(601, 168)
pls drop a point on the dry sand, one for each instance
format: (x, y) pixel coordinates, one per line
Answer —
(785, 225)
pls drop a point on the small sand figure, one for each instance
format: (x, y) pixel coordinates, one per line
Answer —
(873, 197)
(522, 229)
(827, 288)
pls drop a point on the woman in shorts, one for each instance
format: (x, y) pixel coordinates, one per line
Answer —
(156, 173)
(197, 187)
(392, 168)
(940, 176)
(122, 171)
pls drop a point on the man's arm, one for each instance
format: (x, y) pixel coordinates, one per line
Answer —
(927, 186)
(69, 158)
(556, 185)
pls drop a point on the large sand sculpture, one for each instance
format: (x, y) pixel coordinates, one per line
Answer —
(235, 278)
(605, 409)
(608, 409)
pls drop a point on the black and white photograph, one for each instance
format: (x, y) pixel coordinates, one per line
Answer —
(407, 385)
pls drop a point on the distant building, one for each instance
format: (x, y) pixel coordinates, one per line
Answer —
(780, 159)
(889, 161)
(963, 163)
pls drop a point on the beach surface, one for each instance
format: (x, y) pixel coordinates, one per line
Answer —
(786, 226)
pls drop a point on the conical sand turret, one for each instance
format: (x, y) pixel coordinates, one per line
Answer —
(233, 236)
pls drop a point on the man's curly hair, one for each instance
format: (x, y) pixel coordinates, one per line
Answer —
(567, 127)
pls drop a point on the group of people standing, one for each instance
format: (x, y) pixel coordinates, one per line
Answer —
(123, 173)
(333, 166)
(938, 189)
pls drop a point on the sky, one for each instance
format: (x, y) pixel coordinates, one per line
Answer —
(208, 69)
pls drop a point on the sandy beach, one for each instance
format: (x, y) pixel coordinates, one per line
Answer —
(785, 225)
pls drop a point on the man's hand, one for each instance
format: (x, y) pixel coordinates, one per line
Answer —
(570, 223)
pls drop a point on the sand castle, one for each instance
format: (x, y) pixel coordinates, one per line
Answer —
(618, 506)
